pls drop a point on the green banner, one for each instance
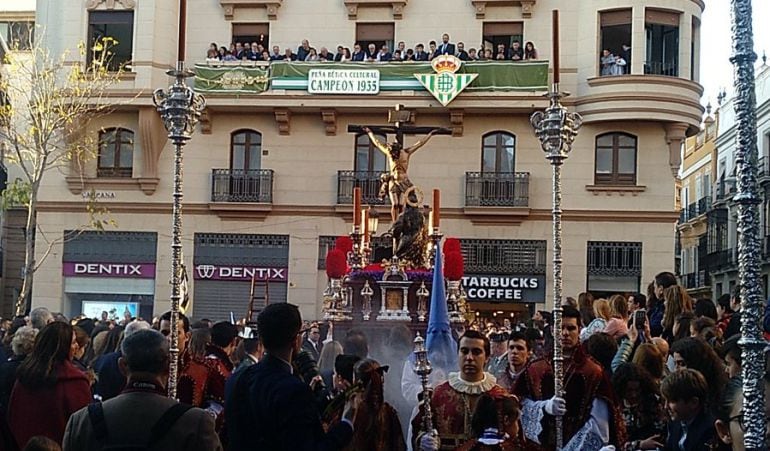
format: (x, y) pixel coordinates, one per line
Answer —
(232, 79)
(492, 75)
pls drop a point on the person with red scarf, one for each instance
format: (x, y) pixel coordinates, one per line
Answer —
(589, 409)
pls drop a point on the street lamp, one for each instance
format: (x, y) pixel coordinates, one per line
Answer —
(373, 217)
(180, 108)
(749, 244)
(556, 129)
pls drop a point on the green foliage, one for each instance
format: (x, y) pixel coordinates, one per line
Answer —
(16, 194)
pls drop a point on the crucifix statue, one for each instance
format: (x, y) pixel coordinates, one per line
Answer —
(396, 183)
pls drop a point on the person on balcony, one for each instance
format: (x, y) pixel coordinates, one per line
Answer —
(607, 62)
(530, 52)
(303, 50)
(517, 53)
(358, 54)
(419, 53)
(461, 53)
(446, 48)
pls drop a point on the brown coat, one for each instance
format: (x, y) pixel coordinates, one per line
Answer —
(131, 416)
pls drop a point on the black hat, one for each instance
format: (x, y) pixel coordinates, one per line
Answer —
(499, 337)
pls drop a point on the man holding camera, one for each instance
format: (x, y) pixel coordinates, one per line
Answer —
(270, 408)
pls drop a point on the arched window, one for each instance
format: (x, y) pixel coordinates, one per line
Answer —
(246, 150)
(498, 153)
(116, 153)
(368, 158)
(615, 159)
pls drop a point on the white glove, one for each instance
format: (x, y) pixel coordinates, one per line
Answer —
(607, 448)
(429, 442)
(556, 406)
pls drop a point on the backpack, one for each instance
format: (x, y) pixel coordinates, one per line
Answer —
(158, 431)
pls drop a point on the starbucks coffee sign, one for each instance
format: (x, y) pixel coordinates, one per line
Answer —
(340, 81)
(505, 288)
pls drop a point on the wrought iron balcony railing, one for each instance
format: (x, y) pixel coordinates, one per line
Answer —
(724, 190)
(698, 279)
(497, 189)
(369, 182)
(661, 68)
(238, 185)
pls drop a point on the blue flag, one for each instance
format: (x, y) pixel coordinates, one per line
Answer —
(441, 347)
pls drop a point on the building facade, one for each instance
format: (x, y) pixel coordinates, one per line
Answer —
(270, 172)
(722, 235)
(698, 165)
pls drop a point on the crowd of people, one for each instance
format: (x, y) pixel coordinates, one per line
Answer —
(659, 371)
(257, 51)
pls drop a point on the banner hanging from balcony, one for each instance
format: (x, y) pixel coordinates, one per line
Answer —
(445, 84)
(490, 75)
(233, 79)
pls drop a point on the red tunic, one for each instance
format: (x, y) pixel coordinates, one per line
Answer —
(452, 411)
(584, 381)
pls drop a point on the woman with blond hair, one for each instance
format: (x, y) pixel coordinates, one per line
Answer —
(601, 316)
(676, 301)
(617, 326)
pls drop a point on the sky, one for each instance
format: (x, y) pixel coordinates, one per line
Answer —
(716, 71)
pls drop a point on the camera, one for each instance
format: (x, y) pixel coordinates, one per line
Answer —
(307, 368)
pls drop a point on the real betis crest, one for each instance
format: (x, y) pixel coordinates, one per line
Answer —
(445, 84)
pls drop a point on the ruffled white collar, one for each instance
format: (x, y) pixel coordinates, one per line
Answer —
(472, 388)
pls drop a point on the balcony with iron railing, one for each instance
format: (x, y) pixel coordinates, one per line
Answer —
(724, 190)
(667, 68)
(238, 185)
(695, 209)
(763, 169)
(370, 183)
(497, 189)
(698, 279)
(723, 259)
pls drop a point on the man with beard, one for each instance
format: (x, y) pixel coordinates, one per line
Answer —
(453, 401)
(589, 410)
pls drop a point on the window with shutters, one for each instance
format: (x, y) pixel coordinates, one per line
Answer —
(616, 41)
(248, 33)
(661, 29)
(615, 159)
(379, 34)
(497, 34)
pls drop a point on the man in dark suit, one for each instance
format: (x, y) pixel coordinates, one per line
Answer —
(419, 53)
(691, 427)
(461, 53)
(371, 53)
(384, 55)
(303, 50)
(110, 380)
(270, 408)
(340, 54)
(445, 48)
(313, 344)
(358, 54)
(142, 415)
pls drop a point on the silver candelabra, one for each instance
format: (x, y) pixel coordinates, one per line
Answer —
(556, 129)
(749, 244)
(180, 108)
(423, 368)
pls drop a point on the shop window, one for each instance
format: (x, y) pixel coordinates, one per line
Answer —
(118, 25)
(246, 150)
(662, 39)
(18, 35)
(116, 153)
(495, 34)
(615, 159)
(498, 153)
(615, 41)
(379, 34)
(249, 33)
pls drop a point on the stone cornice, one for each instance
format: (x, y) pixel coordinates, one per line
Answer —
(397, 6)
(231, 6)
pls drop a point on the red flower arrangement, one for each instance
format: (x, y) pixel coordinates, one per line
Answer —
(344, 243)
(336, 263)
(454, 266)
(451, 245)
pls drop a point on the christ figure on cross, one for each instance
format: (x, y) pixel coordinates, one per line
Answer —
(396, 183)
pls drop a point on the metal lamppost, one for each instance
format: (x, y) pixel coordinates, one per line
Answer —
(749, 244)
(556, 129)
(180, 108)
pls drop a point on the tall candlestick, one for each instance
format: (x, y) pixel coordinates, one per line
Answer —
(555, 55)
(436, 209)
(430, 222)
(365, 215)
(357, 206)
